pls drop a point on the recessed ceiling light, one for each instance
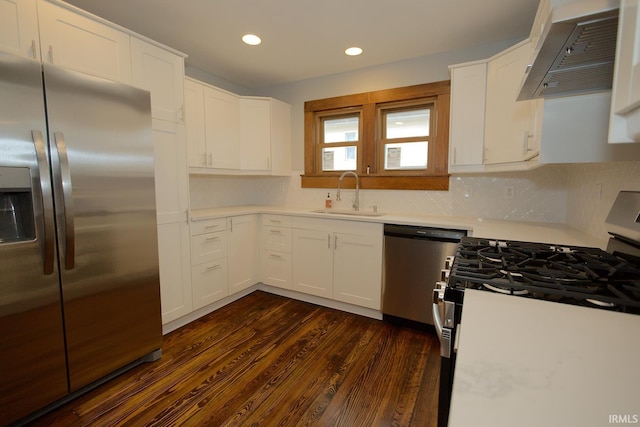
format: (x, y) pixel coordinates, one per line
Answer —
(251, 39)
(353, 51)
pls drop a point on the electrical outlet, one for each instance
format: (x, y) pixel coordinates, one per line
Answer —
(509, 191)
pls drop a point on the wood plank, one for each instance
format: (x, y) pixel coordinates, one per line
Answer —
(270, 360)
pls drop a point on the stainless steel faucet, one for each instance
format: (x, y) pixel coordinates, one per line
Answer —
(356, 202)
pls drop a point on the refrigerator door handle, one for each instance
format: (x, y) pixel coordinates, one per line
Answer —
(48, 240)
(64, 178)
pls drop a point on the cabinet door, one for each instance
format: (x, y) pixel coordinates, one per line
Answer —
(276, 268)
(357, 269)
(624, 123)
(19, 28)
(313, 262)
(197, 155)
(509, 124)
(175, 281)
(222, 128)
(161, 73)
(80, 43)
(280, 138)
(468, 99)
(242, 252)
(255, 134)
(209, 282)
(173, 229)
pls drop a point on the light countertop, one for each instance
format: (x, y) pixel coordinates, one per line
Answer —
(530, 363)
(477, 227)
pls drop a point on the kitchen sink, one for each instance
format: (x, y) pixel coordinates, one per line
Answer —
(348, 212)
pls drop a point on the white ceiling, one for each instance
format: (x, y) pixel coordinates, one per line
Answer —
(306, 38)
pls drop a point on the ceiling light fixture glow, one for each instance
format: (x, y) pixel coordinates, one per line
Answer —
(353, 51)
(251, 39)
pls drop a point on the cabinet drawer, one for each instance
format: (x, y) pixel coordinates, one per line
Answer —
(208, 247)
(209, 282)
(208, 226)
(276, 239)
(277, 220)
(276, 268)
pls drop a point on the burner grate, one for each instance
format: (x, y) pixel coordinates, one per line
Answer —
(573, 275)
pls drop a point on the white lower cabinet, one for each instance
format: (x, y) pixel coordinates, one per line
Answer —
(242, 249)
(339, 260)
(313, 262)
(357, 268)
(209, 271)
(276, 260)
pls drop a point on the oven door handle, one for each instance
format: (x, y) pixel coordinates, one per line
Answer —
(437, 322)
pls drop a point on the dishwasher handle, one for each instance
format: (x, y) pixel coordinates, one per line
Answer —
(427, 233)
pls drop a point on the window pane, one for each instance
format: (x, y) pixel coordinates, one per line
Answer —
(341, 130)
(408, 123)
(339, 158)
(407, 155)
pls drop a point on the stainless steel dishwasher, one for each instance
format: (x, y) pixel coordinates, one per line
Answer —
(413, 260)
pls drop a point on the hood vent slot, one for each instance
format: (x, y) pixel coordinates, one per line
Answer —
(576, 57)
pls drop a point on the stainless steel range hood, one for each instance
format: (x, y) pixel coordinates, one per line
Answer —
(576, 50)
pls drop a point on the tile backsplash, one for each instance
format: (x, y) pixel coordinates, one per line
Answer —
(537, 195)
(592, 189)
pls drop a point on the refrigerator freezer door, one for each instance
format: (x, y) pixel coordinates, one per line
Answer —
(32, 357)
(103, 182)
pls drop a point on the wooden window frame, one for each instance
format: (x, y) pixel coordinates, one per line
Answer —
(370, 105)
(393, 107)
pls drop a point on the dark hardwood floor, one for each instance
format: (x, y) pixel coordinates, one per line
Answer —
(273, 361)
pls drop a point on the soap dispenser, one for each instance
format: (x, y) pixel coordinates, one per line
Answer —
(328, 203)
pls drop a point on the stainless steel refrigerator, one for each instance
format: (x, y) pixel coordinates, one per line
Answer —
(79, 281)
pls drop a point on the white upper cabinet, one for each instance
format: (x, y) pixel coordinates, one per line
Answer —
(19, 28)
(222, 128)
(161, 72)
(265, 135)
(197, 155)
(230, 134)
(212, 118)
(625, 103)
(510, 133)
(489, 129)
(75, 41)
(255, 133)
(468, 101)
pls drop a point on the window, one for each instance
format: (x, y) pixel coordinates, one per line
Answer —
(393, 139)
(404, 141)
(338, 147)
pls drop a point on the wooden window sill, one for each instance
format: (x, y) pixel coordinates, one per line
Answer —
(373, 182)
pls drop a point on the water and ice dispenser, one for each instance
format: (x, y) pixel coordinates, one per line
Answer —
(16, 205)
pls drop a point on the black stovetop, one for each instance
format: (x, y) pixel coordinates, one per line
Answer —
(566, 274)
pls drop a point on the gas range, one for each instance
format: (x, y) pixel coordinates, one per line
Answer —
(582, 276)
